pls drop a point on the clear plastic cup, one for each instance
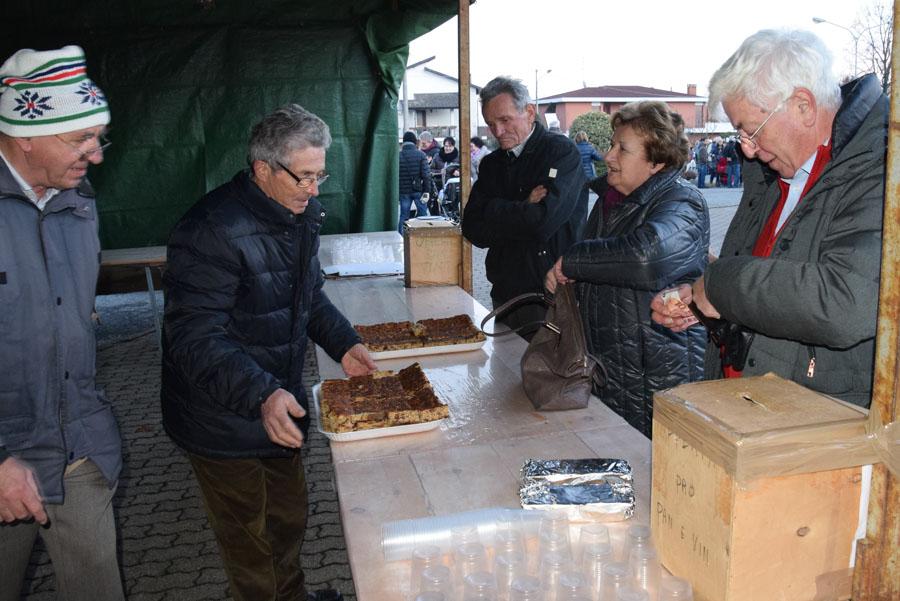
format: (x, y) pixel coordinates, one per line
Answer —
(572, 585)
(479, 586)
(638, 536)
(508, 566)
(554, 522)
(555, 542)
(593, 558)
(672, 588)
(630, 593)
(615, 576)
(432, 596)
(553, 565)
(526, 588)
(508, 540)
(645, 568)
(437, 578)
(462, 534)
(591, 534)
(423, 556)
(468, 559)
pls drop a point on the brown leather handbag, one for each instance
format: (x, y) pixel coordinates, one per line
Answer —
(558, 372)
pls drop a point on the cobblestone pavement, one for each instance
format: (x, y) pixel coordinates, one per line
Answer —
(167, 550)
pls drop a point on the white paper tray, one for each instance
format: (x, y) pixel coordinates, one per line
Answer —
(371, 433)
(420, 351)
(352, 269)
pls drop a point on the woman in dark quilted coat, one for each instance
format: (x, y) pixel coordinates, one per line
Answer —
(648, 231)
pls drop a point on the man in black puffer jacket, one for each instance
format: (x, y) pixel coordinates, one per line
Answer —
(243, 293)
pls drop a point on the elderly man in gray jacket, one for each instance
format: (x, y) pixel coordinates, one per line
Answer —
(799, 267)
(60, 452)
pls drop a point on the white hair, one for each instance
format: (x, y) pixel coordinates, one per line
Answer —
(769, 65)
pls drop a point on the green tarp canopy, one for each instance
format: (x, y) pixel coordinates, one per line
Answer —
(186, 79)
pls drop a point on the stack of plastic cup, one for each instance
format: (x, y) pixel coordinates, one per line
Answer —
(468, 559)
(645, 568)
(462, 534)
(593, 558)
(615, 576)
(423, 557)
(638, 536)
(479, 586)
(508, 566)
(553, 564)
(526, 588)
(572, 585)
(630, 593)
(437, 578)
(508, 539)
(591, 534)
(675, 589)
(555, 526)
(432, 596)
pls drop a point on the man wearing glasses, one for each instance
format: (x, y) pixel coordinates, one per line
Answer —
(60, 452)
(799, 268)
(243, 294)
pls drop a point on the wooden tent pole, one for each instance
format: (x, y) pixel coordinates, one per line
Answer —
(465, 119)
(876, 576)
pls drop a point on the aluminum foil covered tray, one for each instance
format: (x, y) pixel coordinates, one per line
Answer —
(587, 489)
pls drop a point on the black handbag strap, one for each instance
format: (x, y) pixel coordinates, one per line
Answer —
(522, 299)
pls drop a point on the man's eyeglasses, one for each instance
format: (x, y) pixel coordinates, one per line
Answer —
(82, 147)
(307, 180)
(750, 141)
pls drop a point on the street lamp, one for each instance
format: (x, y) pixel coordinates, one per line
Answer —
(855, 36)
(536, 84)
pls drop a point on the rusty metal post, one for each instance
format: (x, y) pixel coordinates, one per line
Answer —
(465, 120)
(877, 573)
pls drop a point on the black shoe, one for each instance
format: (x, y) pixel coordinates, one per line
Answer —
(325, 594)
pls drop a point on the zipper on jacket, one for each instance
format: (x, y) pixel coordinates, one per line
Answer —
(60, 382)
(811, 367)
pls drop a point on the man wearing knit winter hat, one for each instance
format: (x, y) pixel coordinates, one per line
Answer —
(60, 452)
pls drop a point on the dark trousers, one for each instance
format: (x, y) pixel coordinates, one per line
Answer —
(257, 509)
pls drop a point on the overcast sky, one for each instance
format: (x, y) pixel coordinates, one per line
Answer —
(656, 43)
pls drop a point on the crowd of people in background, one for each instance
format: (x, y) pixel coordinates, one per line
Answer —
(716, 162)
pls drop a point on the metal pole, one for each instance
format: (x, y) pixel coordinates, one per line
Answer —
(405, 103)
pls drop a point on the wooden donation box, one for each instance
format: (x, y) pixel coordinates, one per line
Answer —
(432, 253)
(756, 489)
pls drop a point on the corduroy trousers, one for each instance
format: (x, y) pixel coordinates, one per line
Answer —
(257, 509)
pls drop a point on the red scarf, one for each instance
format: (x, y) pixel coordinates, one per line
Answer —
(767, 237)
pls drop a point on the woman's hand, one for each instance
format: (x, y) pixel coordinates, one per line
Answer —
(556, 276)
(670, 308)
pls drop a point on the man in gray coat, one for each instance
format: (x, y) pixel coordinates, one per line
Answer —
(60, 453)
(799, 267)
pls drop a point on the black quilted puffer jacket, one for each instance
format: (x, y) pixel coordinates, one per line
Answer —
(243, 294)
(657, 237)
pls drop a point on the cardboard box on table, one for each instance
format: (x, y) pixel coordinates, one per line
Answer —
(755, 494)
(432, 253)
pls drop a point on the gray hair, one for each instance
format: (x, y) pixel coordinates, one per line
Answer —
(770, 64)
(426, 136)
(506, 85)
(288, 129)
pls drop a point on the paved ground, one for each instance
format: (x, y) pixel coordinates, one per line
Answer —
(167, 551)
